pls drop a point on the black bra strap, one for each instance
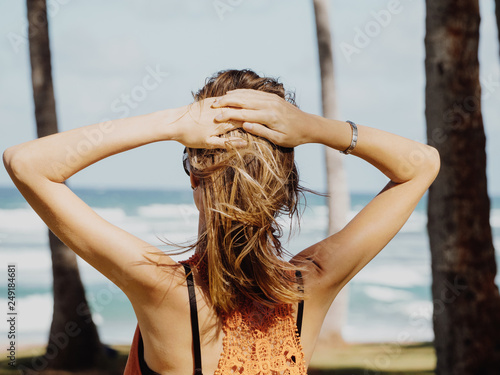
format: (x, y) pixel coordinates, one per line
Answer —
(300, 312)
(194, 320)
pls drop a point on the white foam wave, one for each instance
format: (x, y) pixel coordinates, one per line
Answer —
(415, 310)
(34, 312)
(394, 275)
(34, 317)
(168, 211)
(416, 223)
(386, 294)
(113, 215)
(27, 260)
(21, 220)
(390, 333)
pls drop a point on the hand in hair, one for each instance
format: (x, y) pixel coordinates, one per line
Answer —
(266, 115)
(197, 128)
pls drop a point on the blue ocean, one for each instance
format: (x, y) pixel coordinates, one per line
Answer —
(389, 298)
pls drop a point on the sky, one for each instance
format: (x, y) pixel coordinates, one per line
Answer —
(102, 52)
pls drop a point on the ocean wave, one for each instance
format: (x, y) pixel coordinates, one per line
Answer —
(168, 211)
(416, 223)
(27, 260)
(34, 312)
(418, 309)
(34, 318)
(364, 331)
(386, 294)
(171, 218)
(394, 275)
(21, 220)
(113, 214)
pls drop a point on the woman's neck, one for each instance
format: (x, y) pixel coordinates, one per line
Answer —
(201, 229)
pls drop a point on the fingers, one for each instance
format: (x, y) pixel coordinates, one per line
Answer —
(217, 142)
(261, 131)
(241, 102)
(245, 98)
(247, 115)
(228, 126)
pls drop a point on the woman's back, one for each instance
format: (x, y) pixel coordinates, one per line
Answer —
(247, 292)
(251, 339)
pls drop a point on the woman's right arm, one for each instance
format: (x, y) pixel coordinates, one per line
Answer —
(411, 167)
(39, 168)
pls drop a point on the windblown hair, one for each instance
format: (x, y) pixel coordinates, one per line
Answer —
(244, 191)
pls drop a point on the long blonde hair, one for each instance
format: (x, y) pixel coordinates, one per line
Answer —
(244, 191)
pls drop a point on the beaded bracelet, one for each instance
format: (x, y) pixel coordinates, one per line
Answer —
(354, 139)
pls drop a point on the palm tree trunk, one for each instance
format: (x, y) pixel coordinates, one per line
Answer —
(73, 341)
(338, 201)
(497, 12)
(466, 301)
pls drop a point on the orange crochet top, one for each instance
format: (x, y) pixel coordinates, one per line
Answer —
(258, 340)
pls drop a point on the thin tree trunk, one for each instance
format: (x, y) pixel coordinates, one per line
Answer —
(466, 301)
(73, 341)
(339, 200)
(497, 12)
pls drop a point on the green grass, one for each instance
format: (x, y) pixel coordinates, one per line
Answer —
(353, 359)
(375, 359)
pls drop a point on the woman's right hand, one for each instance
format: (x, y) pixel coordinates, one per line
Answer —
(267, 115)
(198, 129)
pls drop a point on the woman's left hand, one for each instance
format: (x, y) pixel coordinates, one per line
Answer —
(266, 115)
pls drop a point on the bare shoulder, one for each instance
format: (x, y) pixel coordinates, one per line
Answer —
(313, 280)
(166, 284)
